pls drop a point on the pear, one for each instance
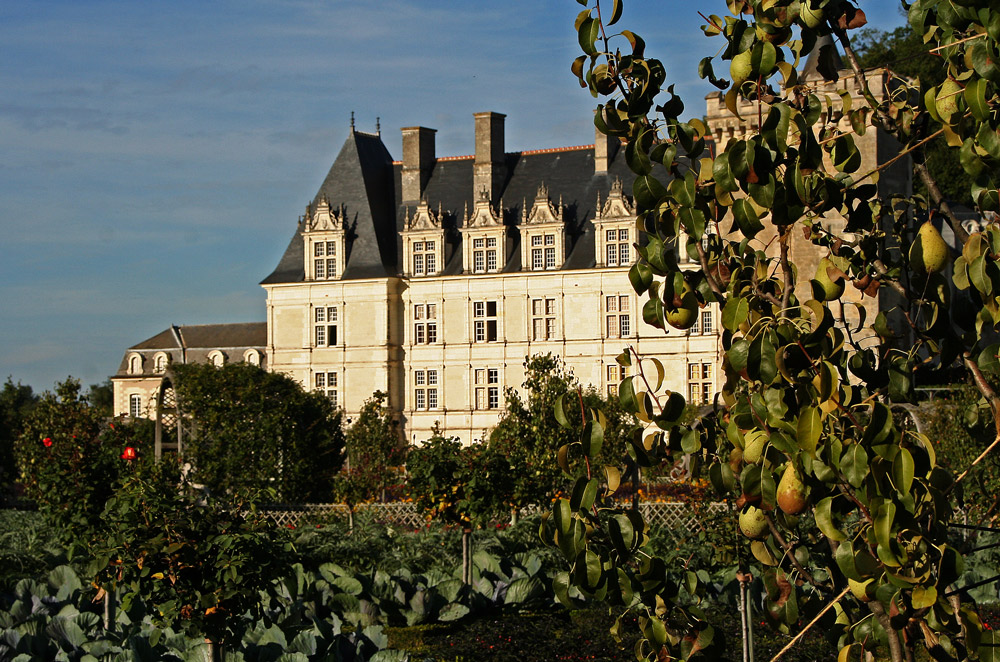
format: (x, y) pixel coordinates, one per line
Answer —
(928, 252)
(753, 524)
(753, 445)
(741, 67)
(686, 314)
(946, 101)
(824, 287)
(791, 492)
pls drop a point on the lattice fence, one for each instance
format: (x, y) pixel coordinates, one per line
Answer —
(673, 515)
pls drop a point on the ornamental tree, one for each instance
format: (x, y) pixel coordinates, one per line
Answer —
(374, 450)
(256, 429)
(69, 459)
(844, 509)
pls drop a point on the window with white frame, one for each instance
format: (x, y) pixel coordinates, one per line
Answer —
(425, 389)
(543, 319)
(699, 383)
(543, 251)
(487, 385)
(160, 363)
(617, 316)
(484, 254)
(324, 260)
(217, 358)
(425, 323)
(615, 374)
(617, 248)
(325, 326)
(326, 383)
(135, 405)
(135, 365)
(252, 356)
(424, 258)
(484, 321)
(706, 321)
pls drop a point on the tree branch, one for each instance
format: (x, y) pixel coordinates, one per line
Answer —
(791, 555)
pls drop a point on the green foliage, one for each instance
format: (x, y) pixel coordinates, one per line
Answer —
(28, 547)
(198, 564)
(529, 437)
(256, 429)
(841, 501)
(16, 400)
(462, 485)
(102, 397)
(70, 459)
(374, 450)
(903, 50)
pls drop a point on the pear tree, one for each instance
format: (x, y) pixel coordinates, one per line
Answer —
(847, 519)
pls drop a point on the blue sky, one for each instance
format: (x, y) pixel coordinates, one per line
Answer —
(154, 156)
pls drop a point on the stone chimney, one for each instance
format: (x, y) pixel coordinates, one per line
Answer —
(418, 161)
(489, 168)
(604, 150)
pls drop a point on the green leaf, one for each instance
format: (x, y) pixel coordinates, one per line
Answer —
(854, 464)
(560, 412)
(640, 275)
(734, 313)
(975, 99)
(902, 471)
(584, 494)
(824, 520)
(593, 439)
(809, 428)
(924, 596)
(616, 12)
(746, 218)
(988, 361)
(588, 31)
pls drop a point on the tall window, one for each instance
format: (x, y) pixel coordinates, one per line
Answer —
(425, 389)
(703, 324)
(484, 321)
(424, 260)
(617, 248)
(543, 319)
(135, 365)
(484, 254)
(135, 405)
(325, 326)
(615, 374)
(425, 328)
(160, 364)
(543, 252)
(487, 384)
(706, 321)
(699, 383)
(325, 260)
(618, 318)
(326, 383)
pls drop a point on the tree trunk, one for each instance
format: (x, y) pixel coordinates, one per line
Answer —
(514, 515)
(214, 650)
(350, 520)
(109, 610)
(466, 556)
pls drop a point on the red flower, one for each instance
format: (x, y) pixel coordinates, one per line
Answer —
(47, 442)
(289, 526)
(129, 453)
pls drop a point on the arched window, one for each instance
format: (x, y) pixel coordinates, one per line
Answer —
(135, 365)
(217, 358)
(160, 363)
(252, 356)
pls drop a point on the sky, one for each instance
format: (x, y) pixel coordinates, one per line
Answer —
(155, 156)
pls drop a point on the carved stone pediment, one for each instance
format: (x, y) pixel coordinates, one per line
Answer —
(542, 210)
(617, 205)
(483, 214)
(424, 218)
(323, 218)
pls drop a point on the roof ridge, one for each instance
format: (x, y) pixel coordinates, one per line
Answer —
(544, 150)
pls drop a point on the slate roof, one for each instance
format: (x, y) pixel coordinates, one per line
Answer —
(198, 341)
(244, 334)
(367, 183)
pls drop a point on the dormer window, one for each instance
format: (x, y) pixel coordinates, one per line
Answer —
(484, 238)
(217, 358)
(135, 364)
(423, 241)
(324, 242)
(543, 233)
(615, 229)
(160, 363)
